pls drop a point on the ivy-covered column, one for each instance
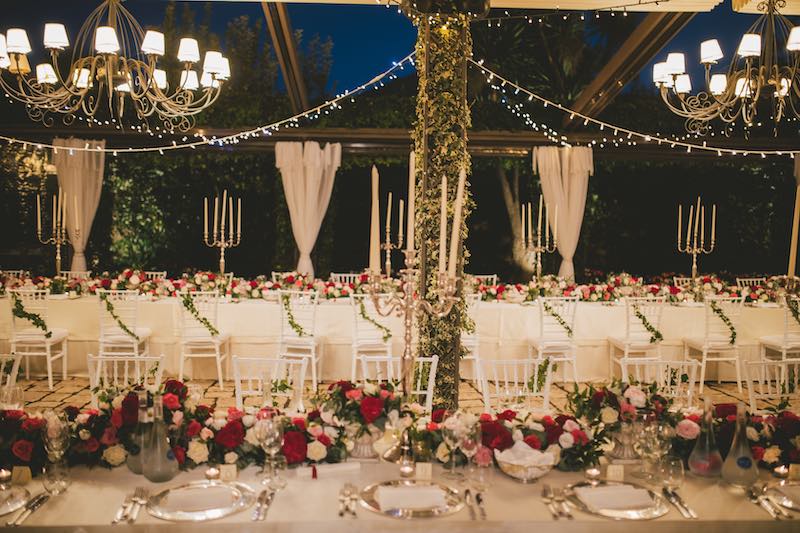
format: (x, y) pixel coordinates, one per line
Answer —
(440, 138)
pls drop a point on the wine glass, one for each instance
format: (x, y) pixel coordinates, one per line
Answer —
(470, 443)
(269, 432)
(671, 472)
(55, 436)
(12, 397)
(452, 438)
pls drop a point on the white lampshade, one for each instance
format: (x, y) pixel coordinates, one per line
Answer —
(3, 47)
(742, 88)
(750, 46)
(55, 36)
(45, 74)
(718, 84)
(80, 78)
(189, 80)
(160, 78)
(212, 62)
(225, 72)
(710, 51)
(153, 43)
(124, 86)
(660, 72)
(786, 83)
(188, 51)
(793, 42)
(19, 64)
(676, 63)
(17, 41)
(683, 84)
(4, 62)
(208, 80)
(105, 40)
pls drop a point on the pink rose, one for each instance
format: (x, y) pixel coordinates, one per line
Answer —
(177, 418)
(354, 394)
(384, 394)
(109, 437)
(206, 434)
(636, 396)
(687, 429)
(483, 457)
(234, 414)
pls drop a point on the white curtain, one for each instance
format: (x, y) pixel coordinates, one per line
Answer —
(80, 176)
(307, 172)
(565, 180)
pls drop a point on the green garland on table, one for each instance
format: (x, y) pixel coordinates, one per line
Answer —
(115, 316)
(188, 304)
(290, 317)
(362, 311)
(561, 322)
(655, 335)
(722, 316)
(34, 318)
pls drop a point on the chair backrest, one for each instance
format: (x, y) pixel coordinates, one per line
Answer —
(682, 282)
(273, 380)
(228, 278)
(485, 279)
(207, 305)
(34, 301)
(388, 369)
(155, 274)
(650, 307)
(126, 307)
(743, 283)
(303, 308)
(512, 381)
(564, 307)
(363, 329)
(19, 274)
(277, 276)
(345, 278)
(76, 274)
(791, 326)
(772, 380)
(124, 371)
(425, 369)
(716, 329)
(674, 379)
(9, 369)
(473, 305)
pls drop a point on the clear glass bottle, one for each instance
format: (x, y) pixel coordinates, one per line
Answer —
(158, 460)
(705, 459)
(139, 436)
(739, 468)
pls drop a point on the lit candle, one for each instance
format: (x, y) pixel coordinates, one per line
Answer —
(546, 227)
(54, 214)
(539, 223)
(713, 222)
(374, 231)
(205, 216)
(64, 215)
(400, 224)
(702, 225)
(443, 226)
(75, 208)
(38, 215)
(389, 214)
(689, 226)
(216, 213)
(239, 218)
(530, 224)
(222, 220)
(60, 209)
(680, 215)
(555, 226)
(455, 237)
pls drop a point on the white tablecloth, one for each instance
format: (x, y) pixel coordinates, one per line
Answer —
(503, 328)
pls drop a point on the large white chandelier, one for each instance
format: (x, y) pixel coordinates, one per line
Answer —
(114, 64)
(763, 76)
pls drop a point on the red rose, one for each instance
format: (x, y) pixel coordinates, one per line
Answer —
(180, 454)
(32, 425)
(580, 437)
(300, 423)
(14, 414)
(485, 417)
(438, 415)
(533, 441)
(553, 432)
(508, 415)
(211, 276)
(432, 426)
(130, 409)
(177, 388)
(495, 436)
(23, 449)
(371, 408)
(171, 401)
(294, 447)
(324, 439)
(193, 428)
(344, 385)
(106, 283)
(723, 410)
(314, 415)
(116, 418)
(758, 453)
(91, 445)
(231, 435)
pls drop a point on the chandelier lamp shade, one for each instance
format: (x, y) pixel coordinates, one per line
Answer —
(113, 76)
(761, 85)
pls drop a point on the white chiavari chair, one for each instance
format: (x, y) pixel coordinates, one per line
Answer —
(683, 283)
(388, 369)
(715, 346)
(277, 276)
(151, 275)
(772, 381)
(18, 273)
(485, 279)
(114, 340)
(196, 340)
(367, 338)
(298, 338)
(9, 369)
(272, 380)
(636, 343)
(674, 379)
(30, 341)
(471, 342)
(348, 278)
(511, 382)
(789, 341)
(744, 283)
(124, 371)
(76, 274)
(555, 341)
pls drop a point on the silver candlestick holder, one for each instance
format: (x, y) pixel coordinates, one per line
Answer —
(405, 304)
(388, 246)
(218, 237)
(535, 251)
(697, 221)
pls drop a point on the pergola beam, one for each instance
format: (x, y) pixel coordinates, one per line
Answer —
(646, 40)
(280, 29)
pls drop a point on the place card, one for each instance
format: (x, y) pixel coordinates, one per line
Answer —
(794, 471)
(20, 475)
(228, 472)
(424, 471)
(615, 473)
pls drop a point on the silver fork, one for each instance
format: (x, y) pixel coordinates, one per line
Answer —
(124, 510)
(139, 500)
(558, 496)
(547, 498)
(352, 497)
(343, 495)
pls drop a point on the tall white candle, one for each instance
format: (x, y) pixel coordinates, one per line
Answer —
(412, 181)
(702, 225)
(555, 225)
(239, 217)
(64, 214)
(455, 238)
(224, 207)
(713, 222)
(60, 209)
(216, 216)
(205, 216)
(400, 224)
(539, 222)
(546, 227)
(38, 215)
(530, 224)
(389, 215)
(55, 221)
(230, 216)
(680, 215)
(696, 221)
(374, 230)
(443, 227)
(75, 209)
(522, 225)
(689, 226)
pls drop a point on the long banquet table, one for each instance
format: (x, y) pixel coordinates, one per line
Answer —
(312, 505)
(504, 329)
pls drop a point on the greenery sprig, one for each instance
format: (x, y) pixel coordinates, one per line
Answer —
(34, 318)
(727, 321)
(188, 304)
(793, 308)
(655, 335)
(362, 311)
(287, 307)
(115, 316)
(561, 322)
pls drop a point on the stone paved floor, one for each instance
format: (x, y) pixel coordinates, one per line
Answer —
(75, 391)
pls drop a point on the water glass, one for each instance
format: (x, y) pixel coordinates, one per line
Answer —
(12, 398)
(482, 477)
(56, 478)
(671, 472)
(451, 438)
(269, 432)
(55, 434)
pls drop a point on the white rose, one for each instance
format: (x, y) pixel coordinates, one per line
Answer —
(517, 435)
(219, 423)
(316, 451)
(566, 440)
(571, 425)
(636, 396)
(82, 418)
(609, 415)
(370, 388)
(248, 420)
(752, 434)
(114, 455)
(772, 455)
(231, 458)
(331, 432)
(134, 280)
(443, 453)
(250, 437)
(535, 426)
(84, 434)
(197, 452)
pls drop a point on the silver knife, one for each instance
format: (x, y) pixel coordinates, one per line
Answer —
(692, 513)
(262, 514)
(481, 507)
(262, 497)
(37, 502)
(672, 498)
(124, 510)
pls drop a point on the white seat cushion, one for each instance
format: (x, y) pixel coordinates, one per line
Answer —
(36, 336)
(553, 344)
(220, 338)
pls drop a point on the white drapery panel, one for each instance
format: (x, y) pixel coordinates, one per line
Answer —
(565, 181)
(307, 172)
(80, 176)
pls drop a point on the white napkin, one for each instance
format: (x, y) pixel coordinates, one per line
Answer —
(791, 491)
(328, 470)
(523, 455)
(417, 497)
(614, 497)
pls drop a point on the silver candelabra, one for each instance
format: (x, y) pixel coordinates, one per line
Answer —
(219, 240)
(539, 243)
(388, 246)
(697, 220)
(59, 236)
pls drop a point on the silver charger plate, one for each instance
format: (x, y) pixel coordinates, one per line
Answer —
(775, 493)
(12, 499)
(453, 498)
(199, 501)
(659, 507)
